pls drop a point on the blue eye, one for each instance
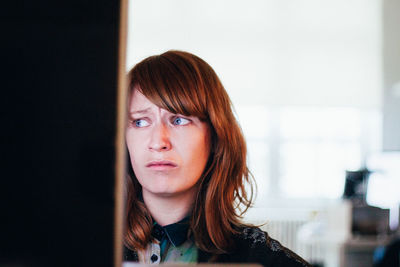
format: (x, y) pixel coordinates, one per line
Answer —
(180, 121)
(140, 123)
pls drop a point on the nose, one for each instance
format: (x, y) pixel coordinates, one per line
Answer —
(159, 139)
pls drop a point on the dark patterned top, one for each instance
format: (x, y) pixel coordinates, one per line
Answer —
(252, 246)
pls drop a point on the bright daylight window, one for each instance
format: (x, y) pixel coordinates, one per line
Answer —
(313, 147)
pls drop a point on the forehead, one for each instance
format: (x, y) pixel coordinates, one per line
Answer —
(138, 101)
(139, 104)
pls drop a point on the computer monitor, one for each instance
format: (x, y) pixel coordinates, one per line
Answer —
(59, 99)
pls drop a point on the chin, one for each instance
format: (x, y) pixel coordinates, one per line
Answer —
(160, 190)
(163, 193)
(166, 192)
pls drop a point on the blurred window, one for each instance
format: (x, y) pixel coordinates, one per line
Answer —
(303, 152)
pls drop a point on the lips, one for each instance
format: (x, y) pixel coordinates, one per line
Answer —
(161, 164)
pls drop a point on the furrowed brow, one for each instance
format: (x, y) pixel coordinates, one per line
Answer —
(141, 111)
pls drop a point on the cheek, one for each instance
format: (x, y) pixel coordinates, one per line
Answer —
(133, 148)
(197, 150)
(205, 143)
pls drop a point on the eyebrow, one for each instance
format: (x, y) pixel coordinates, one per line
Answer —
(140, 111)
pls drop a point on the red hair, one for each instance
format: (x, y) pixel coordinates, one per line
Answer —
(183, 83)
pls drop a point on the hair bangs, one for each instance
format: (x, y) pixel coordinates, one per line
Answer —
(172, 85)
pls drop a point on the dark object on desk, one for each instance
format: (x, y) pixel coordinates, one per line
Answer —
(366, 220)
(356, 185)
(369, 220)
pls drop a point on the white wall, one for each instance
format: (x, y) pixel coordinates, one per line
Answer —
(273, 52)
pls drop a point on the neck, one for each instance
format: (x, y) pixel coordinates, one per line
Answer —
(168, 209)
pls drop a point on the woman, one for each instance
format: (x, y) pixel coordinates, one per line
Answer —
(188, 172)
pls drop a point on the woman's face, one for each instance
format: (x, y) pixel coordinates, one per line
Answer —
(168, 151)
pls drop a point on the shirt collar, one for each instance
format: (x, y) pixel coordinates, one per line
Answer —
(176, 233)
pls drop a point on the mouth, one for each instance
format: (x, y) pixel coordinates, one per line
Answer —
(161, 165)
